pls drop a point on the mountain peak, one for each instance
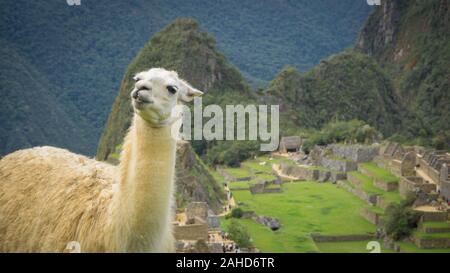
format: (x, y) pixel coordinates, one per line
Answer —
(181, 46)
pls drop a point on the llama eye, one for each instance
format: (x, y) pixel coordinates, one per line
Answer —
(172, 89)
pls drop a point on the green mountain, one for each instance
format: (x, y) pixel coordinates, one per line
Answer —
(182, 47)
(32, 113)
(345, 86)
(411, 41)
(84, 50)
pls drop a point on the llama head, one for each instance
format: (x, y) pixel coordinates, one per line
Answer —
(156, 93)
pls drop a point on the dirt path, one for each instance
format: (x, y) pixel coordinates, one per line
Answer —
(230, 202)
(424, 176)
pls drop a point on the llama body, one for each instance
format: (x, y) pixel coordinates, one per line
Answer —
(50, 197)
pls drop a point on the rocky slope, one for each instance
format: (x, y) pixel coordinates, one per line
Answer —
(194, 182)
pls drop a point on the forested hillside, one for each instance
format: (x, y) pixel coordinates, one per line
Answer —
(32, 112)
(410, 40)
(346, 86)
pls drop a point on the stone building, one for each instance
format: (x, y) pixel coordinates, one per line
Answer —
(290, 144)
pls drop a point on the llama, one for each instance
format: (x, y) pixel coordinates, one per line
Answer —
(50, 197)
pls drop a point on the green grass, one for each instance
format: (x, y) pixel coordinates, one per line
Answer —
(409, 247)
(220, 179)
(256, 167)
(304, 208)
(380, 173)
(239, 185)
(436, 224)
(265, 176)
(238, 172)
(377, 210)
(424, 235)
(368, 187)
(273, 186)
(348, 247)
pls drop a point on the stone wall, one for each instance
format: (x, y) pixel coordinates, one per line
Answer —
(272, 190)
(213, 221)
(299, 172)
(414, 184)
(432, 242)
(198, 231)
(433, 216)
(371, 216)
(197, 209)
(336, 176)
(382, 203)
(403, 166)
(445, 182)
(318, 238)
(409, 184)
(262, 187)
(391, 186)
(369, 198)
(445, 190)
(257, 188)
(408, 164)
(356, 153)
(395, 167)
(338, 165)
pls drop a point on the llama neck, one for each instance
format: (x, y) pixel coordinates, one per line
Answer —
(145, 192)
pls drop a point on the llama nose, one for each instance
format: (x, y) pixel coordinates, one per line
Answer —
(136, 94)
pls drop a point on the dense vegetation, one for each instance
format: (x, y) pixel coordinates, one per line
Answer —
(400, 219)
(353, 131)
(239, 233)
(411, 41)
(346, 86)
(83, 51)
(32, 112)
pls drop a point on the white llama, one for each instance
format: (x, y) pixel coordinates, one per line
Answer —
(50, 197)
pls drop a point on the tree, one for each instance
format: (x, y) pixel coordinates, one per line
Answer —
(239, 234)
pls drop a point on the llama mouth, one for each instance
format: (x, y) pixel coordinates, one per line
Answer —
(141, 101)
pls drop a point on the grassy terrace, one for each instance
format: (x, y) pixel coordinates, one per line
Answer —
(303, 208)
(432, 235)
(436, 224)
(409, 247)
(238, 172)
(380, 173)
(368, 187)
(348, 247)
(256, 167)
(240, 184)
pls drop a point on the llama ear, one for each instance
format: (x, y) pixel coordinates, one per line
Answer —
(188, 93)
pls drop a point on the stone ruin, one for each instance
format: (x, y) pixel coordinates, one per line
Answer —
(398, 160)
(197, 209)
(269, 222)
(408, 162)
(193, 235)
(357, 153)
(264, 187)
